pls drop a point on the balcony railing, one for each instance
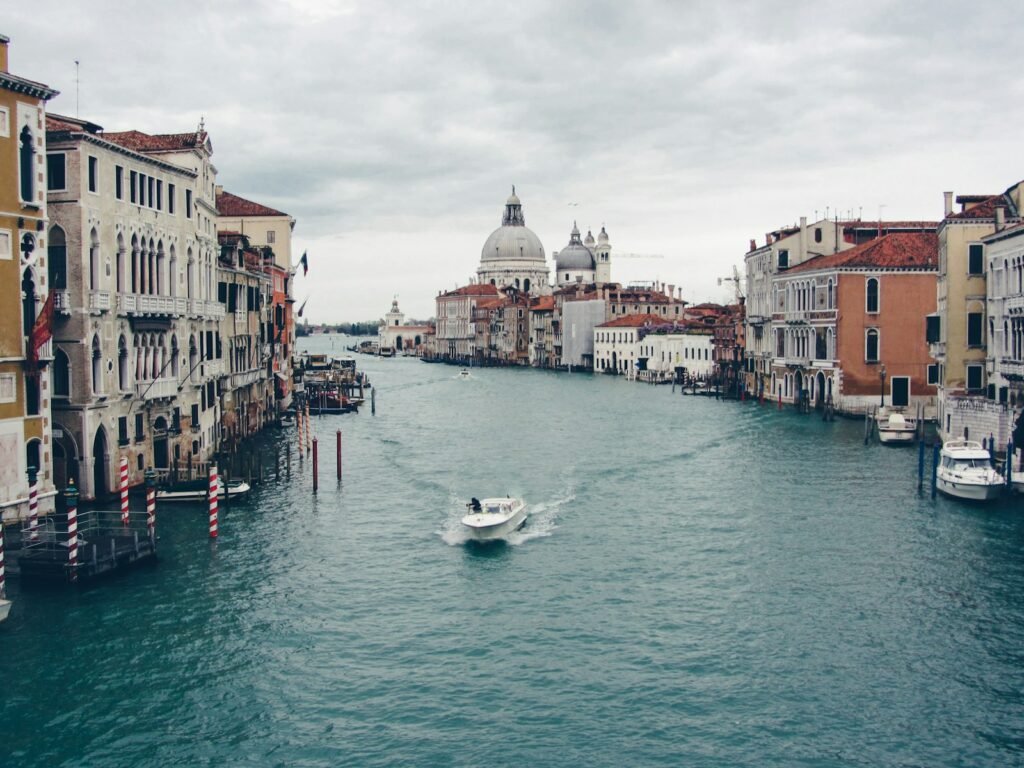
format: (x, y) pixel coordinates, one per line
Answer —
(156, 389)
(246, 378)
(99, 301)
(209, 309)
(212, 368)
(62, 301)
(144, 304)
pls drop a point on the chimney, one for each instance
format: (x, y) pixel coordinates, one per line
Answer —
(753, 244)
(949, 202)
(1000, 218)
(219, 189)
(768, 238)
(4, 40)
(671, 291)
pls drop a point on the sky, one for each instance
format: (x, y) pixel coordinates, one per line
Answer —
(394, 131)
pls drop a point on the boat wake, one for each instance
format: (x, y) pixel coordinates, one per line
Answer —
(541, 522)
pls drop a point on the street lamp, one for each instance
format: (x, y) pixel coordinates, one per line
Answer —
(881, 376)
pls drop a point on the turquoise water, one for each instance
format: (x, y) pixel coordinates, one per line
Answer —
(700, 583)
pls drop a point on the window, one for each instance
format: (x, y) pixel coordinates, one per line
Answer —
(871, 299)
(139, 428)
(94, 182)
(119, 182)
(974, 378)
(5, 122)
(56, 172)
(151, 191)
(975, 259)
(933, 373)
(142, 189)
(159, 195)
(188, 203)
(133, 183)
(899, 391)
(817, 234)
(170, 198)
(195, 417)
(26, 165)
(975, 327)
(871, 345)
(784, 259)
(932, 327)
(270, 235)
(61, 375)
(122, 430)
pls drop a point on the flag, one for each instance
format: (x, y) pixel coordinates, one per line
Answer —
(305, 263)
(42, 331)
(303, 304)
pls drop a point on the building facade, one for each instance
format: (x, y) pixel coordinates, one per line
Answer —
(513, 256)
(394, 336)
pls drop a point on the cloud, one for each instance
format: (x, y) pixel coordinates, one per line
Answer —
(392, 132)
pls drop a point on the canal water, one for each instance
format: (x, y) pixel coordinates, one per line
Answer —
(700, 583)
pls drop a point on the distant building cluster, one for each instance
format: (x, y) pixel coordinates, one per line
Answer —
(149, 312)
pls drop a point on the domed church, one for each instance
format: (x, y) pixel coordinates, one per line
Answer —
(513, 254)
(583, 261)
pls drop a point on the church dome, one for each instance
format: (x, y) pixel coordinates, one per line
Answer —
(513, 241)
(575, 256)
(602, 238)
(589, 239)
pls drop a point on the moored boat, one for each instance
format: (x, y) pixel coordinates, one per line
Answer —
(965, 472)
(5, 608)
(494, 518)
(197, 490)
(894, 428)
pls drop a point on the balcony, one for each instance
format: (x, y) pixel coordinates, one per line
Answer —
(211, 368)
(244, 379)
(796, 316)
(1011, 368)
(157, 389)
(212, 310)
(99, 302)
(62, 301)
(144, 304)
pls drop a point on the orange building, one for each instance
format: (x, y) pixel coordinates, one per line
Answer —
(849, 326)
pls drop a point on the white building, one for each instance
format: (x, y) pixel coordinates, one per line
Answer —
(662, 354)
(513, 255)
(395, 337)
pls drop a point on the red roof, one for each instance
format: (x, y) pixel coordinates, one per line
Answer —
(477, 289)
(889, 225)
(543, 304)
(899, 250)
(233, 205)
(161, 142)
(489, 303)
(986, 209)
(635, 321)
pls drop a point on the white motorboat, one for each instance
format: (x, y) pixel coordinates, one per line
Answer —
(5, 608)
(465, 374)
(896, 429)
(494, 518)
(965, 472)
(198, 490)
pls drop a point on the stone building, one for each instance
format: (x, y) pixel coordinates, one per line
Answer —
(25, 427)
(456, 336)
(132, 257)
(513, 256)
(394, 336)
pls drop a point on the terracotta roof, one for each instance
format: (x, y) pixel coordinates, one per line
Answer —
(962, 199)
(634, 321)
(543, 304)
(985, 209)
(55, 122)
(477, 289)
(138, 141)
(899, 250)
(233, 205)
(889, 225)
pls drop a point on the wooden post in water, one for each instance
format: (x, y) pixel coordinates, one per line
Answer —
(920, 465)
(1009, 464)
(316, 478)
(935, 468)
(373, 401)
(339, 454)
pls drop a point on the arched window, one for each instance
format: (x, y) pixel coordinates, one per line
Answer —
(122, 364)
(97, 366)
(94, 261)
(172, 273)
(190, 275)
(57, 259)
(119, 276)
(871, 345)
(174, 356)
(61, 375)
(871, 304)
(28, 301)
(136, 265)
(831, 299)
(26, 164)
(526, 285)
(161, 270)
(32, 454)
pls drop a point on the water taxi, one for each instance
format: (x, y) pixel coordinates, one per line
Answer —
(198, 490)
(494, 518)
(895, 428)
(965, 472)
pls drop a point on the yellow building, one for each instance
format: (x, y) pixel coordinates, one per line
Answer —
(25, 439)
(956, 332)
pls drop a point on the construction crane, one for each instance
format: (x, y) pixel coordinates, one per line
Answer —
(736, 280)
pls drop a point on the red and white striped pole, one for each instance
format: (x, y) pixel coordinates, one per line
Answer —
(33, 504)
(214, 489)
(71, 498)
(124, 490)
(298, 424)
(309, 436)
(151, 505)
(3, 577)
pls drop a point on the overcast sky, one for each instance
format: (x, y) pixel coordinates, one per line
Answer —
(393, 132)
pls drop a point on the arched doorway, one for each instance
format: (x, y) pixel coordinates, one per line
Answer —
(398, 344)
(100, 462)
(820, 391)
(615, 362)
(160, 455)
(798, 388)
(65, 458)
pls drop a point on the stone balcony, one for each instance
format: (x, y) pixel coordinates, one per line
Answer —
(213, 310)
(62, 301)
(99, 302)
(245, 378)
(157, 389)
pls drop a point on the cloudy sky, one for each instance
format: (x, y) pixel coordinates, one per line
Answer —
(393, 131)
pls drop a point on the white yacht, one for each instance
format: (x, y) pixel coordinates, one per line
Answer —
(894, 428)
(965, 472)
(5, 608)
(494, 518)
(197, 490)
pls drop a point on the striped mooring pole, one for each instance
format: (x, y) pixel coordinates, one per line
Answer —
(214, 488)
(3, 577)
(33, 504)
(124, 490)
(151, 505)
(71, 499)
(298, 425)
(309, 436)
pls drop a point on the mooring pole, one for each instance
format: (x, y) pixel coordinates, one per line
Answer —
(151, 506)
(71, 499)
(214, 490)
(124, 490)
(1009, 464)
(33, 504)
(3, 587)
(373, 401)
(935, 468)
(339, 454)
(920, 465)
(316, 478)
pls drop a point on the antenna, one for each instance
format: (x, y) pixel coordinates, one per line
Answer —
(76, 88)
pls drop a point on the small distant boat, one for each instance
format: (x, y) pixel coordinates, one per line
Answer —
(965, 472)
(494, 518)
(465, 374)
(896, 429)
(198, 490)
(5, 608)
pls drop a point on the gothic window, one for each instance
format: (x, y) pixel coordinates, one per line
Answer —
(57, 259)
(26, 165)
(97, 366)
(122, 364)
(871, 303)
(61, 375)
(56, 172)
(871, 346)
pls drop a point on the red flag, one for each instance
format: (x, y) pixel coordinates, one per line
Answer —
(42, 331)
